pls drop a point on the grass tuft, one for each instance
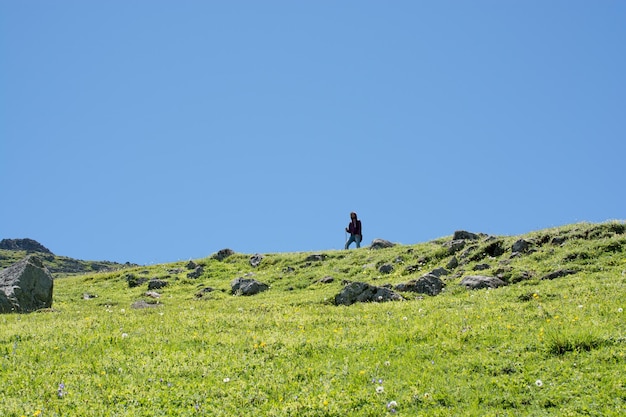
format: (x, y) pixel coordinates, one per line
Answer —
(562, 342)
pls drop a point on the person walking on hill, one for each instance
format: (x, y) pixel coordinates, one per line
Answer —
(354, 228)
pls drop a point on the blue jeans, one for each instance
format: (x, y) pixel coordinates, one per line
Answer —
(354, 238)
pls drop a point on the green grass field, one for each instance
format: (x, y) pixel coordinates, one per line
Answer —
(534, 347)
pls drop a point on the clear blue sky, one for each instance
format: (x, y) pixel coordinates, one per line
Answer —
(154, 131)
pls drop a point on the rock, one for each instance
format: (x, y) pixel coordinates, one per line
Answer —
(475, 282)
(152, 294)
(381, 244)
(560, 273)
(455, 246)
(223, 254)
(453, 263)
(25, 286)
(411, 269)
(521, 246)
(327, 279)
(191, 265)
(156, 284)
(288, 270)
(247, 286)
(463, 235)
(494, 249)
(438, 272)
(196, 273)
(363, 292)
(481, 267)
(318, 257)
(133, 281)
(468, 252)
(386, 269)
(428, 284)
(28, 245)
(88, 296)
(255, 260)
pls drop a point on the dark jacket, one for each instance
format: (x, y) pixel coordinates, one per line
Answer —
(354, 228)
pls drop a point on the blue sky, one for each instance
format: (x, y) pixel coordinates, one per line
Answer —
(154, 131)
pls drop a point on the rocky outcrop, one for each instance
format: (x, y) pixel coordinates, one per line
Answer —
(247, 286)
(134, 281)
(381, 244)
(452, 263)
(196, 273)
(362, 292)
(429, 284)
(157, 284)
(455, 246)
(521, 246)
(223, 254)
(255, 260)
(25, 286)
(28, 245)
(476, 282)
(465, 235)
(438, 272)
(316, 257)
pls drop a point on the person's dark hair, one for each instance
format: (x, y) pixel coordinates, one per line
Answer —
(353, 214)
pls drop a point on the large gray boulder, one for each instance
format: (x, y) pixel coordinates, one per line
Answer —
(476, 282)
(365, 293)
(25, 286)
(247, 286)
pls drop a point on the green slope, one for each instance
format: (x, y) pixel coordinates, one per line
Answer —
(534, 347)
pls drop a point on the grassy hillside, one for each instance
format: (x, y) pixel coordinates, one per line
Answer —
(534, 347)
(59, 266)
